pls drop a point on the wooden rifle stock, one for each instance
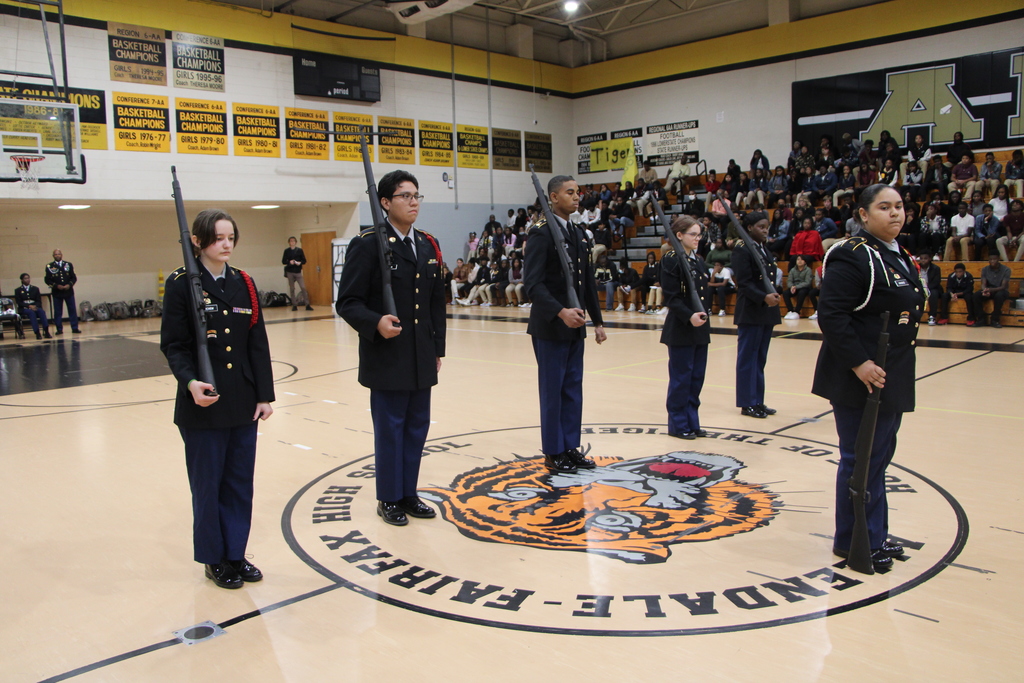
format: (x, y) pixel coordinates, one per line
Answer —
(695, 303)
(559, 241)
(749, 243)
(860, 544)
(197, 307)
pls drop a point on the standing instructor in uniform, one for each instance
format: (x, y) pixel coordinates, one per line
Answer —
(557, 330)
(399, 357)
(862, 277)
(60, 276)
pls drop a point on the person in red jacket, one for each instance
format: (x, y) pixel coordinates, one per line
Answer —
(806, 242)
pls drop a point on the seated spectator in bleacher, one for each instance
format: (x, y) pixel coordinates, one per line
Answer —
(963, 177)
(711, 184)
(866, 177)
(479, 279)
(936, 177)
(931, 276)
(30, 304)
(951, 207)
(995, 286)
(867, 157)
(719, 214)
(976, 205)
(1015, 173)
(733, 169)
(625, 191)
(650, 283)
(794, 184)
(884, 138)
(678, 176)
(934, 231)
(511, 221)
(961, 234)
(794, 154)
(778, 186)
(627, 290)
(639, 201)
(908, 236)
(742, 189)
(826, 156)
(515, 291)
(510, 241)
(759, 189)
(917, 152)
(990, 175)
(959, 286)
(646, 174)
(831, 211)
(1013, 225)
(986, 232)
(605, 194)
(469, 248)
(889, 175)
(824, 184)
(499, 279)
(719, 252)
(912, 181)
(607, 277)
(806, 242)
(9, 313)
(720, 286)
(778, 233)
(712, 233)
(807, 185)
(760, 161)
(826, 227)
(602, 240)
(805, 159)
(958, 150)
(890, 151)
(730, 187)
(845, 184)
(521, 219)
(800, 284)
(622, 217)
(460, 279)
(659, 195)
(1000, 202)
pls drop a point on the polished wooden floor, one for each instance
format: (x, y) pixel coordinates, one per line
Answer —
(96, 554)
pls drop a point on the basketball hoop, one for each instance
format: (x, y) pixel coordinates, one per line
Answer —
(29, 175)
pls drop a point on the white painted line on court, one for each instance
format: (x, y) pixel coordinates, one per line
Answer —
(305, 448)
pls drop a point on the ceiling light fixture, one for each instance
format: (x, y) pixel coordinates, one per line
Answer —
(74, 207)
(267, 206)
(572, 6)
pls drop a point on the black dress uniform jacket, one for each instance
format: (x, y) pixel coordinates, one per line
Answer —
(62, 273)
(678, 330)
(29, 298)
(240, 355)
(851, 336)
(545, 283)
(409, 361)
(750, 286)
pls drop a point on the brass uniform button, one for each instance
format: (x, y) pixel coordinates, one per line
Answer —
(229, 366)
(913, 342)
(225, 312)
(227, 330)
(416, 321)
(417, 307)
(417, 276)
(227, 348)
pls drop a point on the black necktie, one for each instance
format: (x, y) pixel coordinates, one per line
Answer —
(223, 282)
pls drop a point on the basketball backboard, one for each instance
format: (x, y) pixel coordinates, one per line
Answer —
(34, 128)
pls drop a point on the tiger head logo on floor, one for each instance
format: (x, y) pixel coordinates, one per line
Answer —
(630, 510)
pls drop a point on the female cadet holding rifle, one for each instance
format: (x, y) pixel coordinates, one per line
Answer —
(863, 277)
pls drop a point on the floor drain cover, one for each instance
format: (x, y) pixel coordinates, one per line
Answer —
(198, 633)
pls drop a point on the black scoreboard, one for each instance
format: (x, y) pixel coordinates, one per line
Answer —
(322, 75)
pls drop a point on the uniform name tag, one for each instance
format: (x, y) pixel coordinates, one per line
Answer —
(211, 308)
(243, 311)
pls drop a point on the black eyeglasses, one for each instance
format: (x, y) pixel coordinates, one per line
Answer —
(408, 196)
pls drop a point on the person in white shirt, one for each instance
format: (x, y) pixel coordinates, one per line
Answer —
(963, 227)
(677, 176)
(720, 286)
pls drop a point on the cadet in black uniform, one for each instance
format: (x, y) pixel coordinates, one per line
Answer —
(686, 331)
(399, 357)
(757, 312)
(30, 305)
(60, 276)
(219, 431)
(557, 330)
(863, 277)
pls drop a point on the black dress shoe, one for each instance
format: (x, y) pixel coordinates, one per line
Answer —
(753, 411)
(309, 308)
(581, 461)
(76, 332)
(700, 433)
(295, 308)
(765, 409)
(47, 335)
(246, 571)
(392, 513)
(560, 463)
(224, 575)
(891, 549)
(415, 507)
(57, 333)
(39, 336)
(689, 436)
(879, 560)
(996, 325)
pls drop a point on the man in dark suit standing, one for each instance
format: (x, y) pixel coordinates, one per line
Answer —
(757, 312)
(60, 276)
(399, 357)
(293, 260)
(558, 331)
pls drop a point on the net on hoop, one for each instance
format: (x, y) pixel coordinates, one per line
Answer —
(29, 175)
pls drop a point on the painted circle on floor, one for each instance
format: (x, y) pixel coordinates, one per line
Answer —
(663, 537)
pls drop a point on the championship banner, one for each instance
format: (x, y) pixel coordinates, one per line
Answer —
(142, 123)
(137, 54)
(349, 149)
(202, 126)
(302, 144)
(397, 145)
(538, 151)
(610, 155)
(257, 130)
(435, 143)
(472, 146)
(506, 149)
(583, 155)
(198, 61)
(92, 110)
(671, 142)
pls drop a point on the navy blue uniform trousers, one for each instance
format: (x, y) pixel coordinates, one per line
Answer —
(751, 356)
(687, 366)
(560, 380)
(882, 450)
(401, 420)
(220, 465)
(59, 298)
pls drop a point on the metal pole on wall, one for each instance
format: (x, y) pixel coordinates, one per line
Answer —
(455, 129)
(490, 128)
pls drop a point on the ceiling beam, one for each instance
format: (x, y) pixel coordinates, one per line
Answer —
(675, 15)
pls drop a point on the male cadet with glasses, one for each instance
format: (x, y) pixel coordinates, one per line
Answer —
(60, 276)
(557, 330)
(399, 357)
